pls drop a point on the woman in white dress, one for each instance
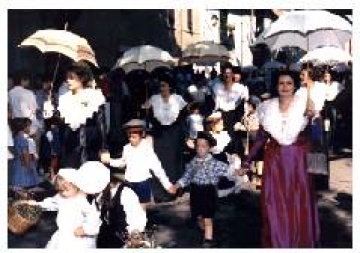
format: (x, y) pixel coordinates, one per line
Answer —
(314, 92)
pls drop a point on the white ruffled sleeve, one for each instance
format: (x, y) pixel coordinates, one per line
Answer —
(92, 221)
(135, 214)
(51, 203)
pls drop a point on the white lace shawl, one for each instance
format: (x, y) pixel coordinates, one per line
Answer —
(75, 109)
(283, 127)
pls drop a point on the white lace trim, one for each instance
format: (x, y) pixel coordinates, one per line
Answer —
(76, 109)
(222, 140)
(284, 128)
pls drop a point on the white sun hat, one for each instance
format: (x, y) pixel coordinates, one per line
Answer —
(70, 175)
(93, 177)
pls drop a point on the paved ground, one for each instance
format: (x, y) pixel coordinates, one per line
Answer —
(237, 223)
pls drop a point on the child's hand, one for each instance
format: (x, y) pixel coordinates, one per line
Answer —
(28, 202)
(105, 157)
(190, 143)
(173, 189)
(237, 126)
(241, 172)
(79, 232)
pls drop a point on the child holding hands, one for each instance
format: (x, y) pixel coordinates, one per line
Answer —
(202, 174)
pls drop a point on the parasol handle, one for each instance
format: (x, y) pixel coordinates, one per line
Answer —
(56, 66)
(247, 143)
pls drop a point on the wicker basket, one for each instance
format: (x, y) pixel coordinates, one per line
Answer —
(19, 224)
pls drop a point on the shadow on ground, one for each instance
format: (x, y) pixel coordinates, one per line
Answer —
(237, 223)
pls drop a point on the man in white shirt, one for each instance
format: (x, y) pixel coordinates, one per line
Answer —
(23, 101)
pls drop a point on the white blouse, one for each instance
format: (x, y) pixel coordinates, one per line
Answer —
(77, 108)
(283, 127)
(73, 213)
(139, 161)
(317, 95)
(167, 112)
(227, 100)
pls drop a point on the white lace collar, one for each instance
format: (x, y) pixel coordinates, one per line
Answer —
(76, 109)
(284, 128)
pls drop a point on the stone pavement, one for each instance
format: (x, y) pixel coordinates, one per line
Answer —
(237, 222)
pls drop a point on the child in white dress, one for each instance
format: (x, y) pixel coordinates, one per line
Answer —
(78, 221)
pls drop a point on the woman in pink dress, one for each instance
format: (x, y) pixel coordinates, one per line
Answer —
(288, 204)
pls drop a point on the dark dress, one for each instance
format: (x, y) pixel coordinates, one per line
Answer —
(83, 144)
(169, 144)
(82, 127)
(288, 201)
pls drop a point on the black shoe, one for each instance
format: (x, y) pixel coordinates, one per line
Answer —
(208, 243)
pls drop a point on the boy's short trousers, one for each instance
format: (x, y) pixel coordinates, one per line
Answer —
(142, 190)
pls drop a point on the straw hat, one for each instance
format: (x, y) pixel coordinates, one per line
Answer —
(134, 124)
(214, 116)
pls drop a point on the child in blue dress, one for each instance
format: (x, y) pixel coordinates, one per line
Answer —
(23, 170)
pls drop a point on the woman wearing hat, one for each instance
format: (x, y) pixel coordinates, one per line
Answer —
(122, 215)
(77, 220)
(202, 174)
(139, 158)
(82, 110)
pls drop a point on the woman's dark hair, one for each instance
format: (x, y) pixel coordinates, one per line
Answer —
(19, 124)
(290, 73)
(167, 79)
(83, 71)
(236, 70)
(226, 65)
(313, 72)
(21, 75)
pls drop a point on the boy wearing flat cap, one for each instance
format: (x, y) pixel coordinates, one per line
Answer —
(202, 174)
(139, 158)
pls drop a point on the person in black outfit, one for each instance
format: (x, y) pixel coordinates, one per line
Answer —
(121, 213)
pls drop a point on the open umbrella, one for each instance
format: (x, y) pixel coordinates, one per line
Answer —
(205, 52)
(306, 29)
(327, 56)
(63, 42)
(144, 57)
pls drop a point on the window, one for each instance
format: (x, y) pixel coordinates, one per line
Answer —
(189, 21)
(171, 18)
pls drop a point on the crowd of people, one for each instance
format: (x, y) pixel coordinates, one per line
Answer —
(170, 129)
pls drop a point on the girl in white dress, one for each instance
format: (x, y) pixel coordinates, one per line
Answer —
(78, 221)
